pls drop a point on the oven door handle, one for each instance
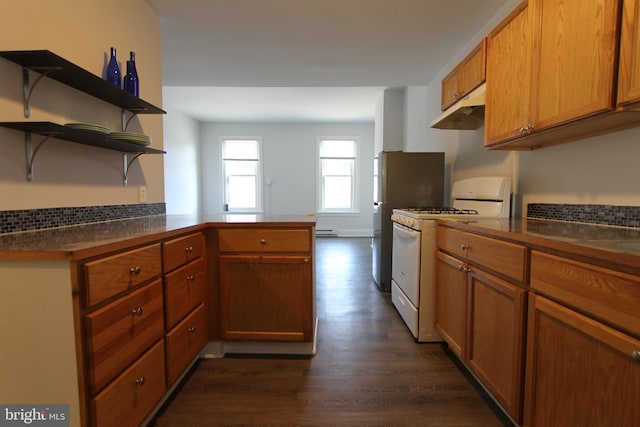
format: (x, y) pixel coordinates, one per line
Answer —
(406, 231)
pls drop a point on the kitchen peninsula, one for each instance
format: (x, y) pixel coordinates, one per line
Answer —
(108, 317)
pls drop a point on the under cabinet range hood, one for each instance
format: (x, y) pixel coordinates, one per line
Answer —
(466, 114)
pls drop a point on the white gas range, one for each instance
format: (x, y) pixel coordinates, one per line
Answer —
(414, 247)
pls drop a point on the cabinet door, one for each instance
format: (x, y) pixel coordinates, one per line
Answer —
(450, 86)
(496, 338)
(579, 372)
(629, 68)
(473, 69)
(266, 298)
(508, 78)
(451, 296)
(574, 59)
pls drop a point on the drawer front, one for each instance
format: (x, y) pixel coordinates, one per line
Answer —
(113, 275)
(607, 295)
(130, 398)
(264, 240)
(184, 342)
(185, 289)
(501, 257)
(182, 250)
(120, 332)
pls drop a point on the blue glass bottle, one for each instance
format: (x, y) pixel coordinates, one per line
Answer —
(113, 70)
(130, 82)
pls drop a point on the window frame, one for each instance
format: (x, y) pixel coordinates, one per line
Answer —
(354, 177)
(259, 179)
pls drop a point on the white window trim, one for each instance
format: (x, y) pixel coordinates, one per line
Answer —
(259, 180)
(355, 197)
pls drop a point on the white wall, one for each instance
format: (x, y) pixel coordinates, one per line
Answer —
(67, 174)
(390, 121)
(289, 162)
(181, 163)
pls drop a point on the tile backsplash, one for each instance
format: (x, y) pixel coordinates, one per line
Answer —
(620, 216)
(37, 219)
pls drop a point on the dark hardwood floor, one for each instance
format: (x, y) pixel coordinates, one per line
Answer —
(368, 371)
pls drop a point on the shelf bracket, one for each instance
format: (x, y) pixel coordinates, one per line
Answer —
(125, 121)
(27, 87)
(31, 152)
(126, 164)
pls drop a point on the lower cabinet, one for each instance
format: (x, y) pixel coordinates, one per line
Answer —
(579, 371)
(451, 302)
(495, 337)
(184, 342)
(583, 345)
(128, 400)
(266, 298)
(266, 284)
(482, 316)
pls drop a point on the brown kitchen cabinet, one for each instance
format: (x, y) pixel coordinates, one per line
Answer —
(509, 48)
(571, 49)
(629, 68)
(185, 293)
(579, 371)
(122, 335)
(583, 350)
(266, 284)
(465, 77)
(451, 302)
(128, 400)
(496, 337)
(480, 315)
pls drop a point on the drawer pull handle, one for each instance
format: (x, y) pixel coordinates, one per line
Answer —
(140, 381)
(263, 242)
(188, 249)
(464, 247)
(191, 330)
(635, 355)
(191, 278)
(137, 311)
(463, 269)
(136, 270)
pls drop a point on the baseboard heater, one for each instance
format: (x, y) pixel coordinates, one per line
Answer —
(326, 232)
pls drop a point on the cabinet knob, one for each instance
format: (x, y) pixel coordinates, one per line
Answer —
(635, 355)
(306, 260)
(137, 311)
(191, 330)
(191, 278)
(140, 381)
(188, 249)
(464, 247)
(136, 270)
(263, 242)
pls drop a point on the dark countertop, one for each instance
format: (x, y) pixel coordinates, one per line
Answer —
(612, 246)
(87, 240)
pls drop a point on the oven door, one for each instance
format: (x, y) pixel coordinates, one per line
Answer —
(405, 269)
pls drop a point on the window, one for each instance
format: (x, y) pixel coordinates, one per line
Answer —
(242, 175)
(337, 175)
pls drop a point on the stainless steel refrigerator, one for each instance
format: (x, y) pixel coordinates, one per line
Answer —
(401, 180)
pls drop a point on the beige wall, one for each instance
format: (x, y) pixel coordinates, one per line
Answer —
(81, 31)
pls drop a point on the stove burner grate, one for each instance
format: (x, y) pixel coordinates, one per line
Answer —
(443, 211)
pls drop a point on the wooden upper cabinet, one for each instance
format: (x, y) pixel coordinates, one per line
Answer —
(574, 59)
(509, 49)
(467, 76)
(629, 68)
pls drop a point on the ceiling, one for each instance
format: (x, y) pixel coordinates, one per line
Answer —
(306, 60)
